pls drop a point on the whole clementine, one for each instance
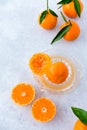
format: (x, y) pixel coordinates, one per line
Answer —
(48, 18)
(49, 22)
(57, 72)
(69, 9)
(74, 31)
(80, 126)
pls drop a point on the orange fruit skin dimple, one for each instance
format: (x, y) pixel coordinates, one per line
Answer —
(69, 9)
(80, 126)
(73, 33)
(43, 109)
(57, 72)
(23, 94)
(49, 21)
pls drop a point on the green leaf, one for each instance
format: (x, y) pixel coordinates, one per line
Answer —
(53, 13)
(43, 15)
(81, 114)
(61, 33)
(77, 7)
(64, 2)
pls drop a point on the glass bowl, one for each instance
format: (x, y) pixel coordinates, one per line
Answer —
(74, 76)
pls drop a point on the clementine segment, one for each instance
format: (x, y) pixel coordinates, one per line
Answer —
(49, 21)
(69, 9)
(80, 126)
(73, 32)
(23, 94)
(39, 62)
(57, 72)
(43, 109)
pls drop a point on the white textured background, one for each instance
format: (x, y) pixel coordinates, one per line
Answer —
(20, 37)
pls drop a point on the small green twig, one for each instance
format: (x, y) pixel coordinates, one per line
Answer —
(47, 6)
(63, 17)
(60, 6)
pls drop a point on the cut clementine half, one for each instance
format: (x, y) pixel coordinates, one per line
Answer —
(39, 62)
(23, 94)
(43, 109)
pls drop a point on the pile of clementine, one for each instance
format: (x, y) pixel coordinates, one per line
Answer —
(44, 109)
(70, 30)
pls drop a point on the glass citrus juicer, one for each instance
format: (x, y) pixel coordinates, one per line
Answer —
(66, 75)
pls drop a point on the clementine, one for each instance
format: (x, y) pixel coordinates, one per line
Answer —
(73, 32)
(80, 126)
(49, 22)
(69, 9)
(57, 72)
(48, 18)
(43, 109)
(39, 62)
(69, 30)
(23, 94)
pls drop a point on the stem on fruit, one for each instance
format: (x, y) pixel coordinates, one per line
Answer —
(63, 17)
(47, 6)
(70, 22)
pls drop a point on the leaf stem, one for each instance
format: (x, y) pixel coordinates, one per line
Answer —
(70, 22)
(63, 17)
(47, 6)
